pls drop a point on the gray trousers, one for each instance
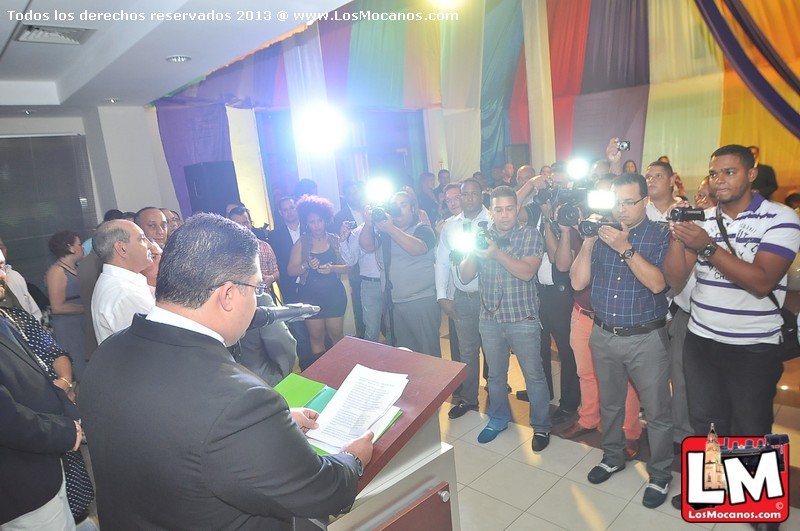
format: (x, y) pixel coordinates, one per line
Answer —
(642, 358)
(468, 307)
(680, 405)
(416, 325)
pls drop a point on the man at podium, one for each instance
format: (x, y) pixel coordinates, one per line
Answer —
(181, 436)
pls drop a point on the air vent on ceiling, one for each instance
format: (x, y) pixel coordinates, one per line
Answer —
(53, 34)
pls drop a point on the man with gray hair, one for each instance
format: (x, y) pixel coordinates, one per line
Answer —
(121, 291)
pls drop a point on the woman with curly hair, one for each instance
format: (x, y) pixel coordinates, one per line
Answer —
(315, 259)
(66, 307)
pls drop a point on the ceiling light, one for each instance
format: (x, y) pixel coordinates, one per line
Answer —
(112, 100)
(178, 58)
(26, 112)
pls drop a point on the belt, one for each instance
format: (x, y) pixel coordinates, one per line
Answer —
(469, 294)
(583, 311)
(632, 330)
(370, 279)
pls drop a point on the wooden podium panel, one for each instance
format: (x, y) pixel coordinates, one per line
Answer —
(430, 382)
(431, 512)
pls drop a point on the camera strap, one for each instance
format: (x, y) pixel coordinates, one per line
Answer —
(724, 234)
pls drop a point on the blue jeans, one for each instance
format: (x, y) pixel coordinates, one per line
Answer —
(523, 338)
(468, 307)
(372, 306)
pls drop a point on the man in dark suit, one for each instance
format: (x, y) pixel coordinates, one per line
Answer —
(282, 239)
(766, 182)
(183, 436)
(35, 431)
(352, 211)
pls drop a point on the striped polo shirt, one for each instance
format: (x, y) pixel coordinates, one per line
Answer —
(723, 311)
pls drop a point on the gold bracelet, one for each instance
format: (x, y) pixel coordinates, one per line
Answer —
(70, 384)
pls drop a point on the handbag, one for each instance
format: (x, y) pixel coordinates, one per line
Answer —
(790, 344)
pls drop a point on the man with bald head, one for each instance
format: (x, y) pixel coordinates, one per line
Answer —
(154, 224)
(524, 174)
(121, 291)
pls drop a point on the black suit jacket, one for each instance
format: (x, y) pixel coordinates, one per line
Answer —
(34, 433)
(281, 242)
(183, 437)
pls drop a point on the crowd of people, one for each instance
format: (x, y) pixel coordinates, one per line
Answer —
(648, 312)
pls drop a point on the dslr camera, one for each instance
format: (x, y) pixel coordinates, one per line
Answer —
(687, 214)
(624, 145)
(568, 199)
(382, 213)
(587, 229)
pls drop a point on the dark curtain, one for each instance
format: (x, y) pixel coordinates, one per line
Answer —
(617, 46)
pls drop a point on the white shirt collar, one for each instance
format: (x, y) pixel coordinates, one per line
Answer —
(160, 315)
(127, 274)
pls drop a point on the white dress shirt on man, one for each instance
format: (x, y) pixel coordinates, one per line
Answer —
(118, 295)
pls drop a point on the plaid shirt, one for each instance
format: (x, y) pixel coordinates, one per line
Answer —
(267, 259)
(504, 297)
(618, 298)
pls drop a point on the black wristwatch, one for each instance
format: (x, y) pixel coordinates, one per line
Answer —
(359, 464)
(707, 251)
(627, 255)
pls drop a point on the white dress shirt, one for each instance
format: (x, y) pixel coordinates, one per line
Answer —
(353, 254)
(118, 295)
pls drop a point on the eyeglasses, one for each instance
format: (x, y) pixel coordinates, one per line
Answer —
(628, 203)
(259, 289)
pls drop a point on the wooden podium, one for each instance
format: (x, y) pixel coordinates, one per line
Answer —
(411, 481)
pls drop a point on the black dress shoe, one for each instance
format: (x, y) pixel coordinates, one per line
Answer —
(603, 471)
(562, 415)
(460, 409)
(540, 441)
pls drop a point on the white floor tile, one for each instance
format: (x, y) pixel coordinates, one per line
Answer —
(527, 522)
(479, 512)
(737, 526)
(624, 484)
(458, 427)
(472, 461)
(515, 483)
(559, 457)
(636, 517)
(575, 506)
(666, 507)
(506, 442)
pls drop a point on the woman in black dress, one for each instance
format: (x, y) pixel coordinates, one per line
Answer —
(315, 259)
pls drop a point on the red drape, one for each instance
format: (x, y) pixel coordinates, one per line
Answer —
(568, 26)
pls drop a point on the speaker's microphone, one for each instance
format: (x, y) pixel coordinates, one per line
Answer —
(266, 315)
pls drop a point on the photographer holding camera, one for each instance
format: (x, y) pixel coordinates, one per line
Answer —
(629, 338)
(405, 250)
(509, 317)
(463, 306)
(740, 254)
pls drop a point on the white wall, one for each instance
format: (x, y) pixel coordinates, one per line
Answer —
(137, 172)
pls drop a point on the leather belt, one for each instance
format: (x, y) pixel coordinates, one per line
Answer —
(625, 331)
(370, 279)
(584, 311)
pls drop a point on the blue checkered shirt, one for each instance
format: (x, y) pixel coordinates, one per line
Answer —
(504, 297)
(618, 298)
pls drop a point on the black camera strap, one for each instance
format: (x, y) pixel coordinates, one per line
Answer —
(723, 231)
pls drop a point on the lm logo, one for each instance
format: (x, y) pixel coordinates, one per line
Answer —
(735, 479)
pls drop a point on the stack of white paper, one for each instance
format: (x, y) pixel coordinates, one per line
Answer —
(364, 401)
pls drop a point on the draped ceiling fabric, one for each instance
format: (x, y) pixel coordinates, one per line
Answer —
(561, 75)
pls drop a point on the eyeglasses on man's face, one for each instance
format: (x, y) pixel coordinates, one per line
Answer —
(259, 289)
(628, 203)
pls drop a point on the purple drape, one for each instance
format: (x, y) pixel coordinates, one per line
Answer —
(617, 46)
(190, 135)
(736, 56)
(600, 116)
(754, 33)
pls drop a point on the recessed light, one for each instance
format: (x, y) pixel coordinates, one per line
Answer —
(112, 100)
(26, 112)
(178, 58)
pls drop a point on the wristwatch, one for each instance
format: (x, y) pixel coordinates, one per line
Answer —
(707, 251)
(359, 464)
(627, 255)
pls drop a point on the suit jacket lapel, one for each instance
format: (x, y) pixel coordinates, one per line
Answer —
(19, 349)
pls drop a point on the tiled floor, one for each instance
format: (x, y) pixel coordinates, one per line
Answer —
(503, 485)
